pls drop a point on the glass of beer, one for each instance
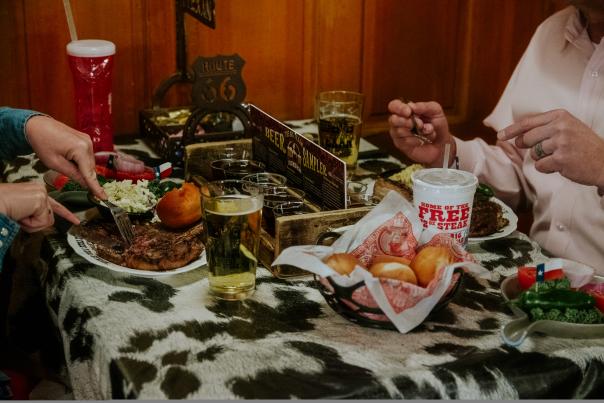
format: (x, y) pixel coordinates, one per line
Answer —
(232, 210)
(339, 114)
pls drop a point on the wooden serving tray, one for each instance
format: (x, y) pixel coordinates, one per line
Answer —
(303, 229)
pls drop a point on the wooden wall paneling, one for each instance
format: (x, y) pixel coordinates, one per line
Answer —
(310, 64)
(49, 78)
(269, 36)
(333, 48)
(459, 52)
(13, 67)
(413, 49)
(502, 31)
(339, 32)
(160, 46)
(131, 91)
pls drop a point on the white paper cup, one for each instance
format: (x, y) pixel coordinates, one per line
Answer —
(443, 199)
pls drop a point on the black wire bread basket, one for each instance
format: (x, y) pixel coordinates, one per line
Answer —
(342, 300)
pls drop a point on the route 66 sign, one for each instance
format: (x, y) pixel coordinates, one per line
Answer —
(217, 82)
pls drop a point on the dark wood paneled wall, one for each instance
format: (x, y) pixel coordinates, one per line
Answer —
(459, 52)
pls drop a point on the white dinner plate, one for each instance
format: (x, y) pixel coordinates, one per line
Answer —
(505, 231)
(83, 248)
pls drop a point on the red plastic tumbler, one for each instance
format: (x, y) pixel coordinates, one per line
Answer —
(91, 62)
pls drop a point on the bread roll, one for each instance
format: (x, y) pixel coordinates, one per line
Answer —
(180, 207)
(430, 259)
(388, 258)
(343, 263)
(394, 270)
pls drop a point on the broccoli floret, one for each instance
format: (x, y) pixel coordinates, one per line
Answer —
(553, 314)
(562, 283)
(589, 316)
(570, 315)
(537, 314)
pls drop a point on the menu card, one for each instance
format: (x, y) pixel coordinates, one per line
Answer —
(306, 165)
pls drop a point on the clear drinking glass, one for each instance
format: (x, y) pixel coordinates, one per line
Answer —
(234, 168)
(275, 196)
(232, 210)
(266, 179)
(355, 193)
(340, 115)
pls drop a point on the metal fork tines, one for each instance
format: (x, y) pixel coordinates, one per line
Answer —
(120, 216)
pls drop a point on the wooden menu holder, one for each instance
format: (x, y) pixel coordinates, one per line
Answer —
(303, 229)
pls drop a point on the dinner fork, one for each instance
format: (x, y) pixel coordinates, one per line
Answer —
(120, 216)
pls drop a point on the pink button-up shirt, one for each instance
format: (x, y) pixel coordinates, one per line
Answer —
(561, 68)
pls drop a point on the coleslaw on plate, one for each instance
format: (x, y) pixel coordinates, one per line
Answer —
(132, 197)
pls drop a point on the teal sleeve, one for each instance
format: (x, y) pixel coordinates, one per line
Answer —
(12, 132)
(8, 231)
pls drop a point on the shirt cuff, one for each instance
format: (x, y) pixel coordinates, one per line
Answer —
(467, 160)
(15, 124)
(8, 231)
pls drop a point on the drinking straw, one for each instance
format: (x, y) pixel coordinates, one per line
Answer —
(446, 158)
(72, 29)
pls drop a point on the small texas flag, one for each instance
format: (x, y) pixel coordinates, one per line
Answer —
(540, 273)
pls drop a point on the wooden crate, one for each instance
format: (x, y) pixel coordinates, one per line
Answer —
(302, 229)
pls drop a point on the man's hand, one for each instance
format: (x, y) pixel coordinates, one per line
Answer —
(65, 150)
(29, 205)
(560, 142)
(431, 122)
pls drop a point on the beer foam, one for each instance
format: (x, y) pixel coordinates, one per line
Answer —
(234, 205)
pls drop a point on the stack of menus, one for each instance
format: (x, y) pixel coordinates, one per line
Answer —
(306, 165)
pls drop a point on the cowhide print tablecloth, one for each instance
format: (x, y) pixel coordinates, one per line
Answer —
(133, 337)
(127, 337)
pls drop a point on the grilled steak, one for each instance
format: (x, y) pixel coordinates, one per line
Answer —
(487, 218)
(382, 186)
(155, 248)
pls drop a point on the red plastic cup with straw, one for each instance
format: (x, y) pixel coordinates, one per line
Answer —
(91, 63)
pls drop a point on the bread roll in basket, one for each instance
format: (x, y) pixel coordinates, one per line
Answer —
(355, 303)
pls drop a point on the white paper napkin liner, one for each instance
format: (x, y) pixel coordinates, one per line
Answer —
(390, 205)
(412, 317)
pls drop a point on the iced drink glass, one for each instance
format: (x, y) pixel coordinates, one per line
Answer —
(443, 199)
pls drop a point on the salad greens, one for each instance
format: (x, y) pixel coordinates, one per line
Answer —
(73, 186)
